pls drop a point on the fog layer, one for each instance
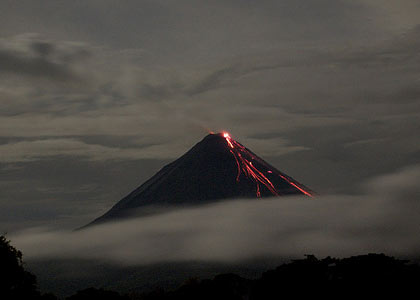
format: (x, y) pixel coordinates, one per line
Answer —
(386, 218)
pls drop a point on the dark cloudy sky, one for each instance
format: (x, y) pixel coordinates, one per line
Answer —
(97, 95)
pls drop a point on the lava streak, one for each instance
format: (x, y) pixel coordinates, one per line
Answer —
(244, 158)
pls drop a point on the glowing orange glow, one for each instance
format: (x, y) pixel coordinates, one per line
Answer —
(228, 139)
(296, 186)
(246, 167)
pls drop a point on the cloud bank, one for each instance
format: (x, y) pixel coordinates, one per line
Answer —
(384, 219)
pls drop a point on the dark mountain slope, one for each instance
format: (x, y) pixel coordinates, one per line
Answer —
(217, 167)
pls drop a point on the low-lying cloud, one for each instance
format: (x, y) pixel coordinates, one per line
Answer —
(384, 219)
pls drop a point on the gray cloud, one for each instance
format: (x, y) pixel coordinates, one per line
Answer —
(403, 49)
(324, 90)
(26, 151)
(29, 55)
(38, 66)
(384, 219)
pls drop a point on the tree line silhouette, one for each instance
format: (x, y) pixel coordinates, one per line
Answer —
(371, 275)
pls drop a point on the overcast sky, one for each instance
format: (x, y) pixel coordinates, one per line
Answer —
(97, 95)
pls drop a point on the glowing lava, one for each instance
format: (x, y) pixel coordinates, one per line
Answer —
(244, 158)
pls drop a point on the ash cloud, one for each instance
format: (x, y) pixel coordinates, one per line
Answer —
(383, 219)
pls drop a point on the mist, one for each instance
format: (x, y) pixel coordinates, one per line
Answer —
(384, 218)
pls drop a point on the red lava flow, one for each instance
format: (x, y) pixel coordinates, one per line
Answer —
(246, 167)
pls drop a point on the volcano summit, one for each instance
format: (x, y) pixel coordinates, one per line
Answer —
(218, 167)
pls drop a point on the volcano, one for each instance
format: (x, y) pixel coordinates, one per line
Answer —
(216, 168)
